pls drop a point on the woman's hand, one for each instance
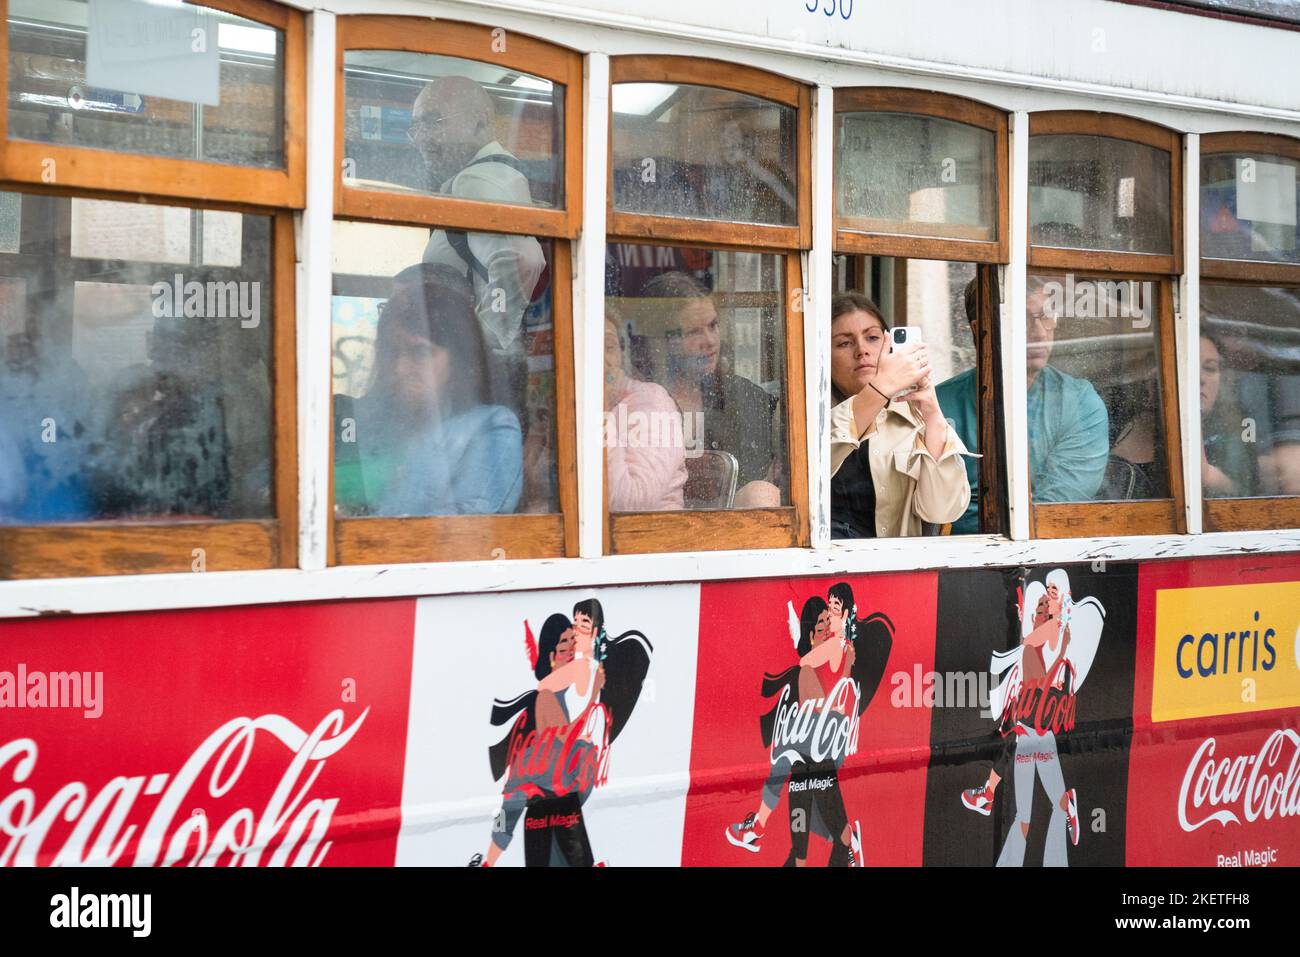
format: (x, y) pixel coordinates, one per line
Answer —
(897, 371)
(925, 403)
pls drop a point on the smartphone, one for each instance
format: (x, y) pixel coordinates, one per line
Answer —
(903, 337)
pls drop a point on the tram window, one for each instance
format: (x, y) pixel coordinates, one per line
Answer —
(429, 124)
(444, 384)
(1250, 391)
(80, 75)
(704, 153)
(137, 367)
(694, 379)
(917, 175)
(1250, 207)
(1099, 193)
(1096, 414)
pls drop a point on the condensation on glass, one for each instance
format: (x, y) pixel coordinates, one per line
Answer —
(444, 378)
(1250, 208)
(426, 124)
(1099, 193)
(1250, 390)
(1095, 409)
(703, 153)
(694, 379)
(900, 173)
(137, 362)
(183, 82)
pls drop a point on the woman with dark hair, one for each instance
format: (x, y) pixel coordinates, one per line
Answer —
(427, 442)
(1218, 467)
(894, 464)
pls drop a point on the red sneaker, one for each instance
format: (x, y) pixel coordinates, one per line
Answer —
(1072, 816)
(747, 834)
(979, 800)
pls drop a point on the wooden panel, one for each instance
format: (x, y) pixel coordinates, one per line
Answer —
(1282, 274)
(1088, 123)
(417, 210)
(285, 387)
(643, 532)
(1098, 261)
(155, 176)
(993, 512)
(263, 11)
(375, 541)
(566, 413)
(795, 399)
(1250, 514)
(1269, 144)
(1167, 347)
(1105, 519)
(716, 73)
(917, 247)
(664, 230)
(803, 164)
(112, 548)
(887, 99)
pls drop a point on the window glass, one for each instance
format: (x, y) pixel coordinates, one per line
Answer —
(173, 80)
(428, 124)
(137, 383)
(444, 375)
(1250, 208)
(1250, 390)
(703, 153)
(1100, 193)
(694, 375)
(918, 175)
(1096, 417)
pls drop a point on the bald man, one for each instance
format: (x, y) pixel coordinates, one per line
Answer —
(453, 125)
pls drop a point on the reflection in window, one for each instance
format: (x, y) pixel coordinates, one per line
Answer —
(1250, 391)
(444, 404)
(919, 175)
(703, 153)
(1096, 416)
(694, 372)
(160, 98)
(1250, 208)
(428, 124)
(1098, 192)
(133, 387)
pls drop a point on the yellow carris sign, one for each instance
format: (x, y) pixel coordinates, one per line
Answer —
(1229, 649)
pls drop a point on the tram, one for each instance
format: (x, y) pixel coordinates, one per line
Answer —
(446, 432)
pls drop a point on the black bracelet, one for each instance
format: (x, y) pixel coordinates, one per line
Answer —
(879, 393)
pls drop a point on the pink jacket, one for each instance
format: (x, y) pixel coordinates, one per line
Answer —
(645, 450)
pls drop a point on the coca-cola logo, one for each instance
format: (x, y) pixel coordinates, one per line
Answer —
(1040, 706)
(819, 728)
(1249, 786)
(288, 827)
(572, 758)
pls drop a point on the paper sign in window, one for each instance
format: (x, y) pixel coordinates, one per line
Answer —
(1266, 192)
(138, 47)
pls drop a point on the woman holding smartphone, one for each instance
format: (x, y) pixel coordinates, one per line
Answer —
(895, 463)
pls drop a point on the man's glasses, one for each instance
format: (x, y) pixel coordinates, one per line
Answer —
(429, 124)
(1047, 318)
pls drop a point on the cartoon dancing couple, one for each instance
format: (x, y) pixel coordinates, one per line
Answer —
(841, 663)
(557, 749)
(1033, 701)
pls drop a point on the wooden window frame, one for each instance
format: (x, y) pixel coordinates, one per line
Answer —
(694, 530)
(906, 241)
(1249, 514)
(1163, 516)
(1126, 128)
(444, 538)
(169, 178)
(1265, 144)
(125, 547)
(468, 41)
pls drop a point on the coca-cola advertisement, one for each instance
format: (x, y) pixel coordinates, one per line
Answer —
(228, 737)
(1031, 769)
(1215, 773)
(550, 729)
(799, 756)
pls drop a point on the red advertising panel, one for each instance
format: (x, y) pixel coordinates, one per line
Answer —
(1214, 778)
(241, 736)
(810, 717)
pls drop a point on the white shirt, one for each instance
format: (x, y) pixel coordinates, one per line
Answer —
(513, 263)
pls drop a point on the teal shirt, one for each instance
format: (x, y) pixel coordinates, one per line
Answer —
(1068, 438)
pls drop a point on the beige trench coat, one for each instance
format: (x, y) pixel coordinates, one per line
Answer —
(911, 486)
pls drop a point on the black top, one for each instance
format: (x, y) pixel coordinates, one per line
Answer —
(738, 418)
(853, 498)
